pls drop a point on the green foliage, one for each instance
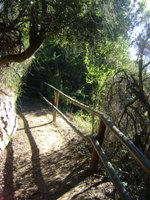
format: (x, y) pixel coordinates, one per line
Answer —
(63, 67)
(12, 77)
(26, 24)
(83, 120)
(107, 60)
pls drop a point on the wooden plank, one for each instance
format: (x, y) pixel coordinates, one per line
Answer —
(75, 102)
(56, 101)
(132, 149)
(109, 168)
(100, 138)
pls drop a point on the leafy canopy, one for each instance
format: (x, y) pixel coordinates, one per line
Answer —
(25, 24)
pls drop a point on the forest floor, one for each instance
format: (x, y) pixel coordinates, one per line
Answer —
(48, 161)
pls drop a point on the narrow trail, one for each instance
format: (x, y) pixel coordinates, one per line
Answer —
(48, 161)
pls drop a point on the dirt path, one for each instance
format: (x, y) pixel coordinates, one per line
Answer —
(48, 161)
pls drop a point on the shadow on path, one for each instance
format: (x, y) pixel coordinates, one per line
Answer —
(75, 177)
(56, 173)
(20, 129)
(36, 166)
(8, 190)
(74, 171)
(56, 188)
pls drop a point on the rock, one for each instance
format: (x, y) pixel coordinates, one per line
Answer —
(8, 119)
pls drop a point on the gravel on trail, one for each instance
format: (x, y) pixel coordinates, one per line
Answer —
(48, 161)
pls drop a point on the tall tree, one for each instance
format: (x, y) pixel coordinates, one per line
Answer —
(129, 91)
(25, 24)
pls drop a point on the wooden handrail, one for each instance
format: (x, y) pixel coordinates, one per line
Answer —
(133, 150)
(100, 138)
(101, 154)
(75, 128)
(97, 141)
(109, 168)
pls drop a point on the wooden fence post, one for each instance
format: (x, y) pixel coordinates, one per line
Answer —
(100, 138)
(56, 100)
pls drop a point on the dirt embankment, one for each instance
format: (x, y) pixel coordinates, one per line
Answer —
(8, 122)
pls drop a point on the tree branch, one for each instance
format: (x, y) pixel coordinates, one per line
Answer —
(126, 107)
(24, 55)
(146, 65)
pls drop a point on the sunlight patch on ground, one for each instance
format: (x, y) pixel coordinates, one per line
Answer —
(44, 132)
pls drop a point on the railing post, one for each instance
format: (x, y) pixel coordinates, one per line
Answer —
(100, 138)
(56, 100)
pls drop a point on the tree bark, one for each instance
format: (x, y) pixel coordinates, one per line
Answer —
(24, 55)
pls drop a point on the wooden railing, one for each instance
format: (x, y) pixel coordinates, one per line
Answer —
(97, 141)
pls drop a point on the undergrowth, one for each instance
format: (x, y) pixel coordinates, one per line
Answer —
(134, 179)
(11, 77)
